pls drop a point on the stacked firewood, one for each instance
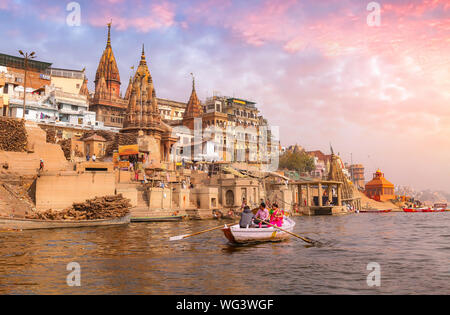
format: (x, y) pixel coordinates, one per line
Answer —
(66, 146)
(120, 139)
(13, 136)
(107, 135)
(50, 133)
(108, 207)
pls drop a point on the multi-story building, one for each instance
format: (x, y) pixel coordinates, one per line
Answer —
(69, 81)
(322, 163)
(4, 100)
(12, 72)
(53, 96)
(224, 128)
(357, 175)
(171, 110)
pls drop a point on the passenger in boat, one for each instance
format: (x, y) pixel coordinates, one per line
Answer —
(263, 214)
(246, 218)
(244, 203)
(276, 218)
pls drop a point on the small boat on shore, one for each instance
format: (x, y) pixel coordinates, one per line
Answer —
(35, 224)
(424, 209)
(172, 218)
(236, 234)
(375, 211)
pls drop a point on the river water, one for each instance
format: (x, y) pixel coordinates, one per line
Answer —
(412, 250)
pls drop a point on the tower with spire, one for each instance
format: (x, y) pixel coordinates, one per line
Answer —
(106, 101)
(194, 108)
(107, 77)
(142, 112)
(143, 116)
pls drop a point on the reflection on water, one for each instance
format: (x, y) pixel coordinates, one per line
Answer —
(412, 249)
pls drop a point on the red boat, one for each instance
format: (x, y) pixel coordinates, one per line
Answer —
(424, 209)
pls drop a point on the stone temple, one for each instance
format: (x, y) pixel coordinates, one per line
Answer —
(143, 117)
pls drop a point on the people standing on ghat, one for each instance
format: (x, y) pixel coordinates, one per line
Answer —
(262, 214)
(93, 157)
(41, 165)
(87, 157)
(246, 218)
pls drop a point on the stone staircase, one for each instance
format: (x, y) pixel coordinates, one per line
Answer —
(11, 204)
(27, 163)
(142, 209)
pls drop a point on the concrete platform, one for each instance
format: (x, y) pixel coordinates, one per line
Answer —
(325, 210)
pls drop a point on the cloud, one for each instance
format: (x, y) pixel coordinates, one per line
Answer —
(315, 68)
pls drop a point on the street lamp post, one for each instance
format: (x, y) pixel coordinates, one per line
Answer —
(26, 56)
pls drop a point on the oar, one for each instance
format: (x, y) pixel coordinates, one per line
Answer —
(180, 237)
(307, 240)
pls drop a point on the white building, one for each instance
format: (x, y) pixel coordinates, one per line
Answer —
(52, 106)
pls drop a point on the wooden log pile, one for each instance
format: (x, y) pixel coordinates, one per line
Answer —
(108, 207)
(13, 135)
(66, 146)
(107, 135)
(120, 139)
(50, 133)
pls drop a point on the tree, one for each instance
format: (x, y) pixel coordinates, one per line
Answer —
(297, 161)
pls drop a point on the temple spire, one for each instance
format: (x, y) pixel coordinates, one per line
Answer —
(108, 69)
(193, 107)
(193, 82)
(143, 62)
(108, 42)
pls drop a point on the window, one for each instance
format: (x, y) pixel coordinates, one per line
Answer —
(73, 107)
(5, 89)
(78, 86)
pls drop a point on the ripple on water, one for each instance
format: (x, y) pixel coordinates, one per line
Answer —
(412, 251)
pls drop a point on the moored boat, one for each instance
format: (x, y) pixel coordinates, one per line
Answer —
(34, 224)
(424, 209)
(375, 211)
(173, 218)
(236, 234)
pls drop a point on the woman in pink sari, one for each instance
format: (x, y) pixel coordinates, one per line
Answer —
(277, 216)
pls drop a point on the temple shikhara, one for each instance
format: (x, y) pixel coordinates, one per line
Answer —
(107, 102)
(142, 116)
(379, 188)
(193, 110)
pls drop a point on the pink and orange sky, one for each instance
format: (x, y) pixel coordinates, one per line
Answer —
(315, 68)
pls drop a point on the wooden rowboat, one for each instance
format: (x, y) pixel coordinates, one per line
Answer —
(172, 218)
(236, 234)
(375, 211)
(34, 224)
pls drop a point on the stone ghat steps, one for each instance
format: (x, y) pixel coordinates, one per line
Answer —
(145, 212)
(142, 198)
(15, 178)
(11, 205)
